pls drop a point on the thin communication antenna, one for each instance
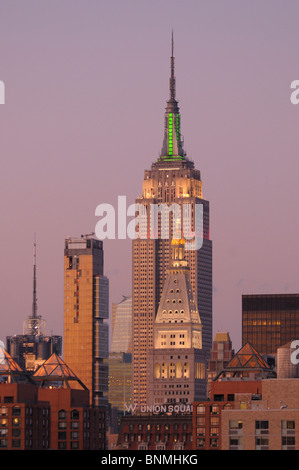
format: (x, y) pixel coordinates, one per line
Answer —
(172, 77)
(34, 303)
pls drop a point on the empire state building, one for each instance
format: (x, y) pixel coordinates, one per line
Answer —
(172, 179)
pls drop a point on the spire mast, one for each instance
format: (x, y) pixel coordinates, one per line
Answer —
(34, 304)
(172, 77)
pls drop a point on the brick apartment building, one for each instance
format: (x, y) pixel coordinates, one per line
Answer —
(156, 432)
(43, 412)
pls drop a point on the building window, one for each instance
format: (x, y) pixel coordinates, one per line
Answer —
(288, 442)
(200, 431)
(8, 399)
(61, 414)
(235, 435)
(200, 420)
(218, 397)
(16, 411)
(74, 414)
(214, 420)
(3, 410)
(160, 447)
(200, 443)
(214, 431)
(262, 427)
(261, 430)
(200, 409)
(288, 435)
(16, 432)
(235, 425)
(62, 435)
(16, 443)
(261, 443)
(142, 447)
(214, 442)
(214, 409)
(235, 443)
(288, 427)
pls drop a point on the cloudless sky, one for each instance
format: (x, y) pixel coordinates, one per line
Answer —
(86, 86)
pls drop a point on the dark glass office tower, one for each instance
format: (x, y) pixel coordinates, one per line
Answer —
(270, 321)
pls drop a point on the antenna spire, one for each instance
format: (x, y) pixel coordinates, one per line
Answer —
(34, 304)
(172, 77)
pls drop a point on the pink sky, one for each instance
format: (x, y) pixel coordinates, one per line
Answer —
(86, 87)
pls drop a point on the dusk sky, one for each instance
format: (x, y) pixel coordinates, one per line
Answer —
(86, 84)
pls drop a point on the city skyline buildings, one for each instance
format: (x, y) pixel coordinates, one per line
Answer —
(51, 144)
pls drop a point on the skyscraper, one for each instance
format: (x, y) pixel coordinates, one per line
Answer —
(86, 297)
(120, 356)
(172, 179)
(122, 326)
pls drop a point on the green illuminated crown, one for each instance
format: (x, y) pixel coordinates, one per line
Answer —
(172, 144)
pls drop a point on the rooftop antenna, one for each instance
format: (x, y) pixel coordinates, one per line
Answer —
(34, 303)
(172, 77)
(34, 324)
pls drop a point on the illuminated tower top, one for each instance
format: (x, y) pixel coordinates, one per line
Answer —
(172, 148)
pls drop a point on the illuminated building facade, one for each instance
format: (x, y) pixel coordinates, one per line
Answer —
(270, 321)
(177, 364)
(172, 179)
(86, 296)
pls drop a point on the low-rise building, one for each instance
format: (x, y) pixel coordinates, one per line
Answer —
(43, 411)
(156, 432)
(271, 423)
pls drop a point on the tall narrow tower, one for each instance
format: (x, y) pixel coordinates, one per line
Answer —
(34, 324)
(33, 347)
(171, 179)
(86, 292)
